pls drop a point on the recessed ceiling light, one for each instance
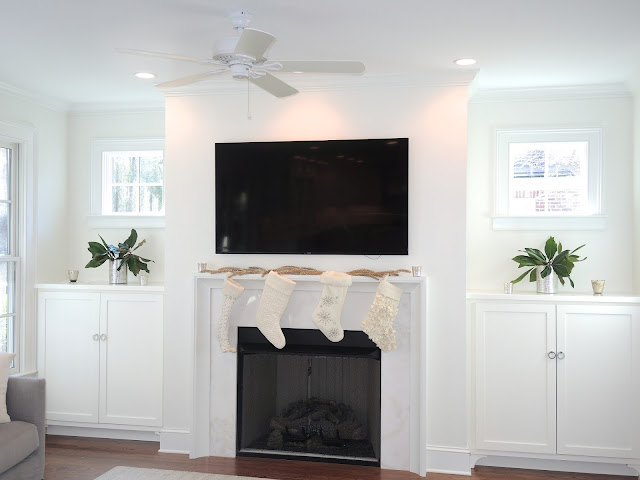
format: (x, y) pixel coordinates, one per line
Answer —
(145, 75)
(464, 62)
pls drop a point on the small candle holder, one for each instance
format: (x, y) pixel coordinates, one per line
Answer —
(416, 270)
(508, 287)
(202, 267)
(144, 279)
(597, 286)
(73, 275)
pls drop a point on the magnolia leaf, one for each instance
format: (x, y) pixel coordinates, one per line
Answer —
(561, 257)
(572, 285)
(95, 262)
(550, 248)
(134, 266)
(143, 259)
(576, 249)
(96, 248)
(525, 261)
(522, 276)
(534, 275)
(561, 280)
(561, 270)
(546, 271)
(131, 241)
(536, 254)
(103, 242)
(559, 247)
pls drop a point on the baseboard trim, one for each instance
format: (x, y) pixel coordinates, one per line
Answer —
(103, 433)
(448, 460)
(557, 465)
(175, 441)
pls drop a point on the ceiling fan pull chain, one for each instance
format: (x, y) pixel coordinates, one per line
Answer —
(248, 101)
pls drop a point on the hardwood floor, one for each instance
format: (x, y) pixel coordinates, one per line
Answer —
(75, 458)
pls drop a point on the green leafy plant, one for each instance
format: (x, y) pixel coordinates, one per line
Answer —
(554, 258)
(101, 252)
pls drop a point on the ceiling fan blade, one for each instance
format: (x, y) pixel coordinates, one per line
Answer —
(146, 53)
(190, 79)
(273, 85)
(322, 67)
(253, 44)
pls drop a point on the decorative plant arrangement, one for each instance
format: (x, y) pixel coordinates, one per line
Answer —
(121, 257)
(554, 262)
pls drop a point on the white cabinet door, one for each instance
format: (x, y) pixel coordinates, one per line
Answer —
(515, 378)
(599, 380)
(131, 359)
(69, 325)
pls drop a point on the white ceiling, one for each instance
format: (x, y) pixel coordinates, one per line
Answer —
(64, 50)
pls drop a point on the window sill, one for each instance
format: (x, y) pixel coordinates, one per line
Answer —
(125, 221)
(594, 222)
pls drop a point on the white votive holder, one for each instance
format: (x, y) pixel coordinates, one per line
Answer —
(73, 275)
(202, 267)
(144, 279)
(416, 270)
(508, 287)
(597, 286)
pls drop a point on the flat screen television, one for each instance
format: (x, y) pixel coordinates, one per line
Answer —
(347, 197)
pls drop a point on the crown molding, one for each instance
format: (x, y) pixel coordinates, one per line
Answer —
(45, 101)
(537, 94)
(328, 82)
(102, 108)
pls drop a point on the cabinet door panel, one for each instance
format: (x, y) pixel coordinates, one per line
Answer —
(68, 323)
(131, 360)
(515, 378)
(598, 378)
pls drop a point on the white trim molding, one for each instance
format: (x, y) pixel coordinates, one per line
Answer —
(448, 460)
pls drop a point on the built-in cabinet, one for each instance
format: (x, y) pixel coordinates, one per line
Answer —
(555, 379)
(101, 353)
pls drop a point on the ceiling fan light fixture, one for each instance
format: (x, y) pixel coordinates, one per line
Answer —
(465, 62)
(145, 75)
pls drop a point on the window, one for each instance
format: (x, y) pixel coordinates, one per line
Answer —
(127, 181)
(548, 179)
(9, 259)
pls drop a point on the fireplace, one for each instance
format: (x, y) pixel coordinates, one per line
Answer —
(403, 399)
(313, 400)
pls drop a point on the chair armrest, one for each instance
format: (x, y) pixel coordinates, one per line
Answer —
(26, 400)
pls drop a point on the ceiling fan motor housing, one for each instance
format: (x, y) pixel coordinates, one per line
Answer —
(239, 71)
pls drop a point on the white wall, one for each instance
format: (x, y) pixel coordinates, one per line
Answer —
(609, 251)
(434, 119)
(83, 128)
(634, 85)
(49, 157)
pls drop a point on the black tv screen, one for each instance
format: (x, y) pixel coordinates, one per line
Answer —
(313, 197)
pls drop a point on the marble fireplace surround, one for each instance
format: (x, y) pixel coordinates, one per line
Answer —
(403, 380)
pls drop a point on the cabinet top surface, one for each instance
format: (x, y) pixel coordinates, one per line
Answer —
(101, 287)
(569, 297)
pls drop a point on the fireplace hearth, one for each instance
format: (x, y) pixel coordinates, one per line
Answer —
(313, 399)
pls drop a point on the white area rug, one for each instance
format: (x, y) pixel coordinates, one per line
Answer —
(131, 473)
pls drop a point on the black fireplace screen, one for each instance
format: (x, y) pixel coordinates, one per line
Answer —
(313, 399)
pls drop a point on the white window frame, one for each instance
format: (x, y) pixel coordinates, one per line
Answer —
(593, 219)
(23, 136)
(98, 171)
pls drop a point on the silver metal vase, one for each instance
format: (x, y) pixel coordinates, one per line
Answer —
(548, 284)
(117, 276)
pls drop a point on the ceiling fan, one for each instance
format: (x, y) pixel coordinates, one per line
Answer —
(244, 55)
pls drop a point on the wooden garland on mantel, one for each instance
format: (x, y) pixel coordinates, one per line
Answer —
(290, 270)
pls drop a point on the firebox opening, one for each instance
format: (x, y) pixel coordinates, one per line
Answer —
(313, 399)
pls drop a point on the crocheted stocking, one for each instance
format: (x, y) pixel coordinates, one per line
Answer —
(230, 293)
(327, 314)
(378, 324)
(274, 300)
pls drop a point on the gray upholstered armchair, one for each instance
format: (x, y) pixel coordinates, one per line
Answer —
(22, 439)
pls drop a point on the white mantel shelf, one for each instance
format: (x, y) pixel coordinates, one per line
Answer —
(101, 287)
(315, 278)
(533, 297)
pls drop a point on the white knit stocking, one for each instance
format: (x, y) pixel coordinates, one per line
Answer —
(274, 300)
(378, 324)
(327, 314)
(230, 293)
